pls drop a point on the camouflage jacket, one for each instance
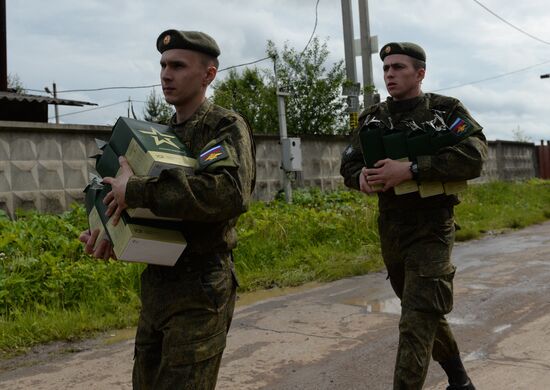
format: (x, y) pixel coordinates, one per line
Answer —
(209, 201)
(462, 161)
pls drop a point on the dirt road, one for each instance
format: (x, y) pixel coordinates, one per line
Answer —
(343, 335)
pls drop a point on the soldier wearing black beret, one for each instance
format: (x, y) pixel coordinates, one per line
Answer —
(187, 309)
(417, 233)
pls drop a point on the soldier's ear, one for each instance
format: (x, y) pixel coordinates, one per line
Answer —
(210, 75)
(420, 74)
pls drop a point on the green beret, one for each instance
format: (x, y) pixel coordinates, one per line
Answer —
(408, 48)
(190, 40)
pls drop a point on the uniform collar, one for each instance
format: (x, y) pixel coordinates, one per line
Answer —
(404, 105)
(194, 119)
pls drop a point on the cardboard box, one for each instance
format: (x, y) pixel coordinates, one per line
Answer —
(134, 240)
(107, 165)
(95, 211)
(149, 147)
(372, 147)
(430, 188)
(454, 187)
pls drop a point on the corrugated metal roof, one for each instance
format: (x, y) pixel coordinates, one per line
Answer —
(12, 96)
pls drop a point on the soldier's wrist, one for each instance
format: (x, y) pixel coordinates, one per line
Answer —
(413, 168)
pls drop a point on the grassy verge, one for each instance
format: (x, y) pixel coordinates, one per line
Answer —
(51, 290)
(496, 207)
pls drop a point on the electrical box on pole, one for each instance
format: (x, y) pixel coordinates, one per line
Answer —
(292, 154)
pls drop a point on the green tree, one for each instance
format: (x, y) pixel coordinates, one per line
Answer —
(315, 104)
(15, 84)
(157, 110)
(250, 95)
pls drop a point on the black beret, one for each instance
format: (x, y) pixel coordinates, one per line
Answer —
(408, 48)
(190, 40)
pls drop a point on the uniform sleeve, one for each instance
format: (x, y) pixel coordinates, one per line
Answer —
(462, 161)
(216, 192)
(352, 159)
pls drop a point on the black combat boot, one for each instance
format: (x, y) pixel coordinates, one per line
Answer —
(458, 379)
(467, 386)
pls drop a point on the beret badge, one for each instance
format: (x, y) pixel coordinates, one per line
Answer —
(166, 40)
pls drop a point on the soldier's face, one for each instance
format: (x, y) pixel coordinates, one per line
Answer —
(402, 79)
(184, 76)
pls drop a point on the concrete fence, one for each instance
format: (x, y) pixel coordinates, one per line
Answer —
(46, 166)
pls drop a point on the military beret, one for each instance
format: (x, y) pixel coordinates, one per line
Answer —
(408, 48)
(190, 40)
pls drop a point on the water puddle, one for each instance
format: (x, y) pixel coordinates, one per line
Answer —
(468, 319)
(389, 306)
(501, 328)
(476, 355)
(248, 298)
(478, 287)
(538, 262)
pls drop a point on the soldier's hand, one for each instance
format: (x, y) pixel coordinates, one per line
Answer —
(363, 183)
(115, 199)
(103, 250)
(389, 173)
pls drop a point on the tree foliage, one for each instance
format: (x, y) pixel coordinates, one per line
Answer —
(15, 84)
(314, 104)
(250, 95)
(157, 110)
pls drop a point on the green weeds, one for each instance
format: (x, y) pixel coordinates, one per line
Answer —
(51, 290)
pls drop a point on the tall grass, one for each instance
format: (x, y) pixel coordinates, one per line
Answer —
(50, 289)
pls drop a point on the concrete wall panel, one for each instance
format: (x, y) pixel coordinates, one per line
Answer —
(47, 166)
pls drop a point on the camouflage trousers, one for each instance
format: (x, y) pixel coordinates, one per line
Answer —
(185, 316)
(416, 247)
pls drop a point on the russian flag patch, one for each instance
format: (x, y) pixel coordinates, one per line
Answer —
(459, 126)
(212, 155)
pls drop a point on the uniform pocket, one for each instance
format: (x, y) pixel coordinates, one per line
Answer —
(430, 293)
(216, 286)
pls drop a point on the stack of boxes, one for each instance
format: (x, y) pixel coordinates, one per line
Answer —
(378, 142)
(140, 235)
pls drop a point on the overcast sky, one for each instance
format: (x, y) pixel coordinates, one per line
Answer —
(93, 44)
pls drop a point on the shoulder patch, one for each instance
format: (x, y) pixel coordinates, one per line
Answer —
(212, 155)
(460, 126)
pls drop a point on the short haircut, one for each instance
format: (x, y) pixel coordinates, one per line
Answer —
(418, 64)
(209, 60)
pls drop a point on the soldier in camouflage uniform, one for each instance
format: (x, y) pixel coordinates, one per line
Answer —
(417, 234)
(187, 309)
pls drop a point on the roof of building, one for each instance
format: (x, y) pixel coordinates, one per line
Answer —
(12, 96)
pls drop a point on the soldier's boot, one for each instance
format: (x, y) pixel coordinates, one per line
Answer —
(458, 379)
(467, 386)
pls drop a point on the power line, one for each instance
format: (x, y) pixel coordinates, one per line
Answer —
(107, 88)
(91, 109)
(493, 77)
(142, 86)
(314, 28)
(510, 24)
(247, 63)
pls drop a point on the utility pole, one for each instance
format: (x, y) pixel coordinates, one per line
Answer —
(363, 47)
(351, 88)
(281, 109)
(54, 94)
(3, 48)
(369, 45)
(347, 21)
